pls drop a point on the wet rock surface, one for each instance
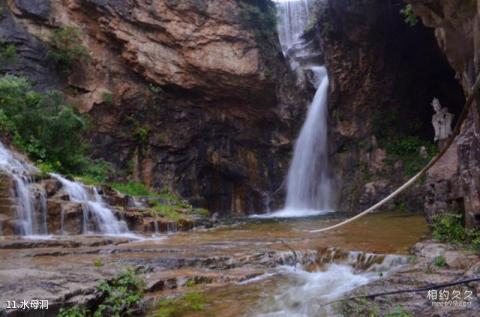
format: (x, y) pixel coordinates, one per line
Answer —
(383, 75)
(455, 23)
(423, 272)
(67, 270)
(202, 101)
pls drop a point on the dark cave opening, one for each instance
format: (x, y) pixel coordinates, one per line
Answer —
(419, 59)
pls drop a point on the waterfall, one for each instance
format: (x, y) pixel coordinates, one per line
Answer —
(309, 187)
(293, 16)
(20, 172)
(97, 216)
(95, 210)
(308, 183)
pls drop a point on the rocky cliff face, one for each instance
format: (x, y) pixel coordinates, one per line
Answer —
(384, 74)
(191, 95)
(455, 184)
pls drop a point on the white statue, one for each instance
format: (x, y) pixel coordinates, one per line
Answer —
(442, 121)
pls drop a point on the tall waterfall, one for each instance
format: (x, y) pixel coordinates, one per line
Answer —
(309, 187)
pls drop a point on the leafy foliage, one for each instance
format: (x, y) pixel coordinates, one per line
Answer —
(409, 17)
(8, 53)
(121, 296)
(107, 97)
(260, 17)
(133, 189)
(449, 228)
(407, 149)
(43, 125)
(141, 134)
(74, 311)
(163, 202)
(177, 307)
(66, 48)
(439, 261)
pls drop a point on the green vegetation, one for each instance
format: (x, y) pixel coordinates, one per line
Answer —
(42, 125)
(98, 263)
(121, 296)
(66, 48)
(407, 149)
(74, 311)
(163, 203)
(47, 129)
(8, 53)
(107, 97)
(359, 307)
(398, 311)
(177, 307)
(439, 261)
(260, 17)
(141, 134)
(409, 17)
(133, 189)
(365, 307)
(412, 259)
(449, 228)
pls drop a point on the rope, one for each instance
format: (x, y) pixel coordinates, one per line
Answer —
(434, 160)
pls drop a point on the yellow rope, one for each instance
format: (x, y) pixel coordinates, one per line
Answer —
(434, 160)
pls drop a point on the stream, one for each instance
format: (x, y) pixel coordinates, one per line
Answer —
(252, 267)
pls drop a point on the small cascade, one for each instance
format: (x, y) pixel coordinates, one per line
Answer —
(20, 172)
(97, 216)
(308, 290)
(42, 199)
(172, 227)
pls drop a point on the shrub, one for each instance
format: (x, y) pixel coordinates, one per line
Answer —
(98, 263)
(8, 53)
(107, 97)
(439, 261)
(74, 311)
(97, 171)
(42, 125)
(121, 296)
(66, 48)
(409, 17)
(407, 149)
(449, 228)
(141, 134)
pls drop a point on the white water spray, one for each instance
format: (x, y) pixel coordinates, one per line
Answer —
(309, 188)
(20, 173)
(95, 210)
(308, 183)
